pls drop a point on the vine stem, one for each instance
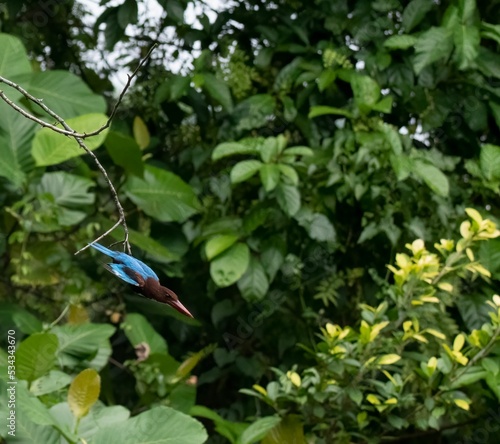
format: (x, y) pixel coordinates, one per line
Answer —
(80, 139)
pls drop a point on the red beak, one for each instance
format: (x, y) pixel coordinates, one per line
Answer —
(179, 307)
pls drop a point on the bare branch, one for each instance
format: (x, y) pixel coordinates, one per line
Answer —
(79, 138)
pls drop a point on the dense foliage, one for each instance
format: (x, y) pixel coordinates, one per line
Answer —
(272, 159)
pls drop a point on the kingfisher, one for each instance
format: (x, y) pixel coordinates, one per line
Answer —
(142, 278)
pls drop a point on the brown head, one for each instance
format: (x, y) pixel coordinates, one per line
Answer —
(152, 289)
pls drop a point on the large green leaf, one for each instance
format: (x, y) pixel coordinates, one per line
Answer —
(288, 197)
(244, 170)
(432, 45)
(125, 152)
(51, 148)
(259, 429)
(55, 380)
(27, 432)
(467, 40)
(67, 189)
(138, 330)
(218, 244)
(414, 12)
(160, 425)
(231, 149)
(66, 94)
(273, 252)
(82, 340)
(36, 355)
(317, 225)
(432, 176)
(402, 41)
(270, 176)
(218, 90)
(254, 284)
(230, 265)
(289, 430)
(162, 195)
(13, 57)
(489, 160)
(366, 92)
(32, 407)
(16, 134)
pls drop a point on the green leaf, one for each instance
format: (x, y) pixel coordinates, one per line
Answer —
(271, 147)
(32, 407)
(317, 225)
(290, 431)
(489, 31)
(13, 58)
(141, 133)
(393, 138)
(366, 92)
(432, 45)
(159, 425)
(384, 105)
(467, 40)
(471, 375)
(14, 315)
(270, 176)
(288, 197)
(67, 189)
(218, 244)
(230, 265)
(50, 148)
(289, 109)
(127, 13)
(218, 90)
(125, 152)
(290, 173)
(414, 13)
(402, 41)
(30, 433)
(402, 166)
(273, 252)
(489, 161)
(467, 9)
(298, 151)
(52, 382)
(232, 148)
(322, 110)
(244, 170)
(81, 340)
(432, 176)
(138, 330)
(84, 392)
(259, 429)
(254, 284)
(162, 195)
(16, 135)
(66, 94)
(36, 355)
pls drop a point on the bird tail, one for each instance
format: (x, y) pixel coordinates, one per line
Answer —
(104, 250)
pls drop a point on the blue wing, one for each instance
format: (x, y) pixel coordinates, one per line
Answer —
(128, 262)
(119, 270)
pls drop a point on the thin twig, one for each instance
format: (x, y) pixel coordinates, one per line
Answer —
(79, 138)
(67, 131)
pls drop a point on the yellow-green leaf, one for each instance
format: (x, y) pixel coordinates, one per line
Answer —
(388, 359)
(141, 133)
(84, 392)
(462, 403)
